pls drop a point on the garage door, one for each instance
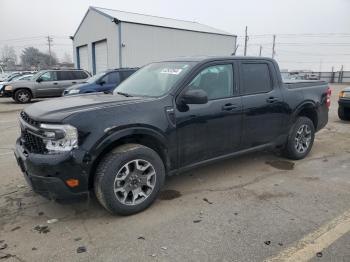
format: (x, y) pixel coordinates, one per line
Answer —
(101, 63)
(83, 57)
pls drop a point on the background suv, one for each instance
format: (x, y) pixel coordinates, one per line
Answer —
(46, 83)
(105, 81)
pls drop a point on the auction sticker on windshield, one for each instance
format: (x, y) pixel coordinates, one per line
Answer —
(171, 71)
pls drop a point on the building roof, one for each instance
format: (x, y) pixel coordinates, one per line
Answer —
(158, 21)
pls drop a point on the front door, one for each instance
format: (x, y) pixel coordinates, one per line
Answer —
(263, 106)
(213, 129)
(48, 84)
(108, 82)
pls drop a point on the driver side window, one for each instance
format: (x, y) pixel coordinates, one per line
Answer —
(48, 76)
(216, 81)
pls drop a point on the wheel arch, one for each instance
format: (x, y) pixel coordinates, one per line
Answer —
(309, 110)
(143, 136)
(21, 88)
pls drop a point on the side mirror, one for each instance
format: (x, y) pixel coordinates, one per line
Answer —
(39, 80)
(198, 96)
(102, 82)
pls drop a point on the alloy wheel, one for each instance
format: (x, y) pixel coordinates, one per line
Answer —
(134, 182)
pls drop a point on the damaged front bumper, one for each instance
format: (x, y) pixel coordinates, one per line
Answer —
(46, 174)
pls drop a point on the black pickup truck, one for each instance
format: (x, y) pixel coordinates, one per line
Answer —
(166, 118)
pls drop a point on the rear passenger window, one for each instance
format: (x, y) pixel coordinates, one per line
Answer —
(65, 75)
(256, 78)
(79, 75)
(216, 81)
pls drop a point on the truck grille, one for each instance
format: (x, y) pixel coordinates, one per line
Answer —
(33, 143)
(30, 121)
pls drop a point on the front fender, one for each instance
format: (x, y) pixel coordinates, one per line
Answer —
(113, 134)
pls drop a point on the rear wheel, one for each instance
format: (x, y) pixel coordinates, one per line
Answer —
(344, 113)
(22, 96)
(128, 179)
(300, 139)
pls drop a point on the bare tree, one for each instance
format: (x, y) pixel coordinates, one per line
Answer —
(8, 57)
(31, 57)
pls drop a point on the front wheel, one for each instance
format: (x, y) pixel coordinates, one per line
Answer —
(128, 179)
(22, 96)
(300, 139)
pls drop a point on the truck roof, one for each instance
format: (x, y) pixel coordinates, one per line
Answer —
(216, 58)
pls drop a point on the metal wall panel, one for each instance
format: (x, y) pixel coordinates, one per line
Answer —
(96, 27)
(142, 44)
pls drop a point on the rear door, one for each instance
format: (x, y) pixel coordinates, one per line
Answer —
(263, 106)
(65, 79)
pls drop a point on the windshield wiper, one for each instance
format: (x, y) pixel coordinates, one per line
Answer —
(124, 94)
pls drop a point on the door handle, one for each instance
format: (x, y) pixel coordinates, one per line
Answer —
(229, 107)
(272, 99)
(55, 83)
(74, 82)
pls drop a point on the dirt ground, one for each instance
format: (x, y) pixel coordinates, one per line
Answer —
(253, 208)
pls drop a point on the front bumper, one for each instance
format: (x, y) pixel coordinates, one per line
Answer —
(344, 102)
(46, 174)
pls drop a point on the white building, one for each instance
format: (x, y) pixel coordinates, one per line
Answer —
(109, 38)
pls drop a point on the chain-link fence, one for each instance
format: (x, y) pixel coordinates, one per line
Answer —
(334, 77)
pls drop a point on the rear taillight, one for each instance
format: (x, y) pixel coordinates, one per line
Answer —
(329, 93)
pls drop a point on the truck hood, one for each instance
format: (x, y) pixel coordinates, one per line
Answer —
(55, 110)
(79, 86)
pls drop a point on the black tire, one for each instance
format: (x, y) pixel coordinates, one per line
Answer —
(108, 169)
(290, 150)
(22, 96)
(344, 113)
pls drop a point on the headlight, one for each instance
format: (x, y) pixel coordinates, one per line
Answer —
(8, 88)
(59, 137)
(344, 94)
(73, 91)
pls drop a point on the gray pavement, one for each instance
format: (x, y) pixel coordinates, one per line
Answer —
(246, 209)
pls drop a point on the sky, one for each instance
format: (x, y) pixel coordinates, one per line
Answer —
(310, 34)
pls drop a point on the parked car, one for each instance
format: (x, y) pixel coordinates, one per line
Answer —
(166, 118)
(46, 83)
(16, 78)
(344, 104)
(312, 77)
(102, 82)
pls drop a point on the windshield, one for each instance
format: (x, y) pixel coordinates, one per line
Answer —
(154, 79)
(94, 78)
(35, 76)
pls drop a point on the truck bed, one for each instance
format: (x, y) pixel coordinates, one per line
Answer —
(291, 84)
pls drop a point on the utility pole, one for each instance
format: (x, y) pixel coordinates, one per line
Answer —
(260, 49)
(273, 46)
(49, 42)
(245, 41)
